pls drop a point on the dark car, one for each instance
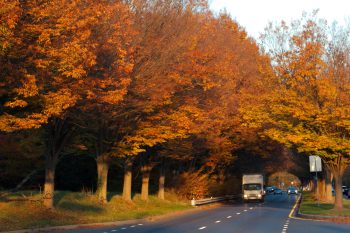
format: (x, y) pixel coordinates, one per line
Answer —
(270, 190)
(345, 190)
(292, 190)
(277, 192)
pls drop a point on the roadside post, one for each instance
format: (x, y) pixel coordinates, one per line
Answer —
(315, 163)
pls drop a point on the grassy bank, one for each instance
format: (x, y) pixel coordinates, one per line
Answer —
(79, 208)
(309, 206)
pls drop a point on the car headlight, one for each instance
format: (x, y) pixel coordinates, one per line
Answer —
(259, 195)
(245, 195)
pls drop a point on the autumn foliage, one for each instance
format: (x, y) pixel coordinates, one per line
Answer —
(309, 108)
(167, 85)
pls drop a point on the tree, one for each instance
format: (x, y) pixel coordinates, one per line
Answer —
(56, 65)
(155, 92)
(309, 109)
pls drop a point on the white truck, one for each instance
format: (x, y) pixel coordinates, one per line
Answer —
(253, 187)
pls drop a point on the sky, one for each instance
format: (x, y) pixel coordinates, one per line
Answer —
(254, 15)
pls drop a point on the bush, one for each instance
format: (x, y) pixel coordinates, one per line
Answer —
(231, 186)
(191, 185)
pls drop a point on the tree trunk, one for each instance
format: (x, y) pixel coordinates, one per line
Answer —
(49, 185)
(328, 188)
(146, 170)
(338, 178)
(321, 188)
(58, 133)
(127, 180)
(310, 185)
(102, 178)
(161, 183)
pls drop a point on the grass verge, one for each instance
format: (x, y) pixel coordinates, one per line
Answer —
(80, 208)
(309, 206)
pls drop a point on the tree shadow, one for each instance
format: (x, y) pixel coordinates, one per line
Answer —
(110, 195)
(58, 197)
(80, 207)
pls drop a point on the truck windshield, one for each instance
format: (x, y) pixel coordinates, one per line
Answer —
(252, 186)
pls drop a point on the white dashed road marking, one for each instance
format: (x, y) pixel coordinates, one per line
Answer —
(285, 226)
(201, 228)
(238, 213)
(251, 208)
(245, 210)
(217, 221)
(229, 216)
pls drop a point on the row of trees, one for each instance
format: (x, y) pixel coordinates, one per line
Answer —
(309, 109)
(120, 78)
(123, 79)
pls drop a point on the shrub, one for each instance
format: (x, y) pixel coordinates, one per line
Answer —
(191, 185)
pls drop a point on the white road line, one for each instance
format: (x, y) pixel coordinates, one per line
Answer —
(229, 216)
(245, 210)
(217, 221)
(238, 213)
(251, 208)
(133, 226)
(285, 226)
(114, 230)
(140, 224)
(123, 228)
(201, 228)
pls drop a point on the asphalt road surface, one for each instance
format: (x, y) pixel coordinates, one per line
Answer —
(269, 217)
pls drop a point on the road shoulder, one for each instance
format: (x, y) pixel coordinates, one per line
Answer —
(119, 223)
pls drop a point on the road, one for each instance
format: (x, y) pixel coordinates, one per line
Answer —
(269, 217)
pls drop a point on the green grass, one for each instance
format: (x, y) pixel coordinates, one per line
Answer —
(309, 206)
(80, 208)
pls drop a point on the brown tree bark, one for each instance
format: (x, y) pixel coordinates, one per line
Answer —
(49, 185)
(161, 183)
(338, 178)
(58, 133)
(321, 188)
(127, 179)
(102, 178)
(311, 185)
(146, 171)
(328, 188)
(338, 167)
